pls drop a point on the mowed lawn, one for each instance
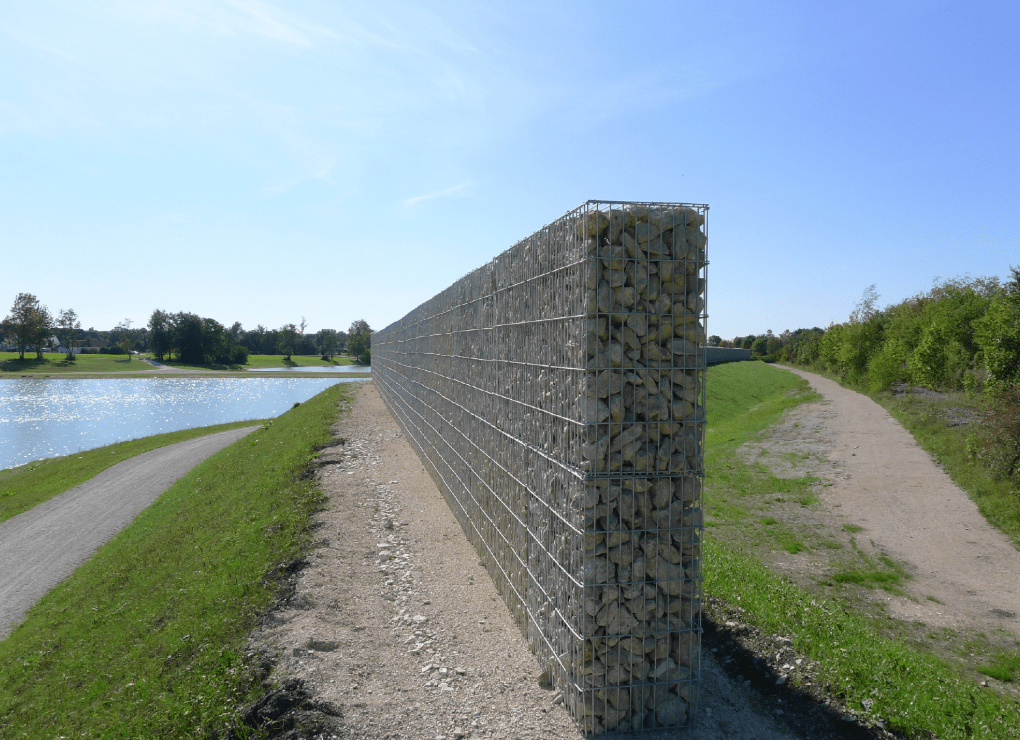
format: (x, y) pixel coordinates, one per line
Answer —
(147, 639)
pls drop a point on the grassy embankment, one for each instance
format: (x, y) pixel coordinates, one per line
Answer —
(265, 361)
(27, 485)
(863, 655)
(53, 363)
(147, 638)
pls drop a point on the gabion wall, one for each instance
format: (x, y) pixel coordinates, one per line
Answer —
(556, 395)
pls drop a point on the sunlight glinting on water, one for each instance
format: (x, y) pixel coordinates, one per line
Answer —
(47, 417)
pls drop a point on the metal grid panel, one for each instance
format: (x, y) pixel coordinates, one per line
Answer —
(556, 395)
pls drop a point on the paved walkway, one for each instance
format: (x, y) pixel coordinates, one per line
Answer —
(44, 545)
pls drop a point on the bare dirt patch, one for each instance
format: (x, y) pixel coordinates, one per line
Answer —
(964, 573)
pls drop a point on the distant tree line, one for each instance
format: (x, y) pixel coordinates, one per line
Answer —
(962, 335)
(185, 336)
(193, 339)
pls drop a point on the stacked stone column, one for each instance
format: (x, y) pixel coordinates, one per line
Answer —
(556, 395)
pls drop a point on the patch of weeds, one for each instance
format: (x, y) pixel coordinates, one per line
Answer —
(728, 511)
(789, 542)
(885, 574)
(1004, 667)
(852, 528)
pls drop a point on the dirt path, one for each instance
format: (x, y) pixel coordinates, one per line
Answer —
(45, 544)
(396, 624)
(911, 509)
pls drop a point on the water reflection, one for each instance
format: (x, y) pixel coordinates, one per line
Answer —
(47, 417)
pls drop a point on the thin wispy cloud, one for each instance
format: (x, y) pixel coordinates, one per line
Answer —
(455, 190)
(37, 42)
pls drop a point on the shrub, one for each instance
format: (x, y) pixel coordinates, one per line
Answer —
(888, 366)
(238, 355)
(928, 364)
(999, 443)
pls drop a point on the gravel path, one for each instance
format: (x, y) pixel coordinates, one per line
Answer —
(912, 510)
(396, 628)
(44, 545)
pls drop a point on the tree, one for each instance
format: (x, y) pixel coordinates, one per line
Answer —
(928, 363)
(123, 334)
(67, 321)
(161, 333)
(29, 322)
(189, 339)
(288, 339)
(997, 333)
(327, 342)
(359, 341)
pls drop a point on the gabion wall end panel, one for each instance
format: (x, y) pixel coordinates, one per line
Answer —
(556, 395)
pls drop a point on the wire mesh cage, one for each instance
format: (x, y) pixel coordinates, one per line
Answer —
(557, 397)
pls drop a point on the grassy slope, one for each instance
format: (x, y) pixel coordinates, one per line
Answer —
(54, 363)
(911, 691)
(146, 638)
(27, 485)
(259, 361)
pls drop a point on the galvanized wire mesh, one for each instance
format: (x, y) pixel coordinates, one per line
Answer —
(556, 395)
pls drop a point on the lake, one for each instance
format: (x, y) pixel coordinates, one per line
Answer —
(48, 417)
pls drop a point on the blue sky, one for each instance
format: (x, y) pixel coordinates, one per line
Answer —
(261, 161)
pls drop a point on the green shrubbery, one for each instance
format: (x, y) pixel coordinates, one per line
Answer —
(963, 334)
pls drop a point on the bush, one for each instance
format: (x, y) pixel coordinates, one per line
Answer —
(928, 364)
(365, 358)
(888, 366)
(238, 355)
(999, 443)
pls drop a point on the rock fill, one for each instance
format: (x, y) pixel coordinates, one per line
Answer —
(556, 395)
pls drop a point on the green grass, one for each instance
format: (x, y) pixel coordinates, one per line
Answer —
(864, 656)
(738, 488)
(30, 484)
(1005, 667)
(54, 363)
(147, 639)
(911, 691)
(264, 361)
